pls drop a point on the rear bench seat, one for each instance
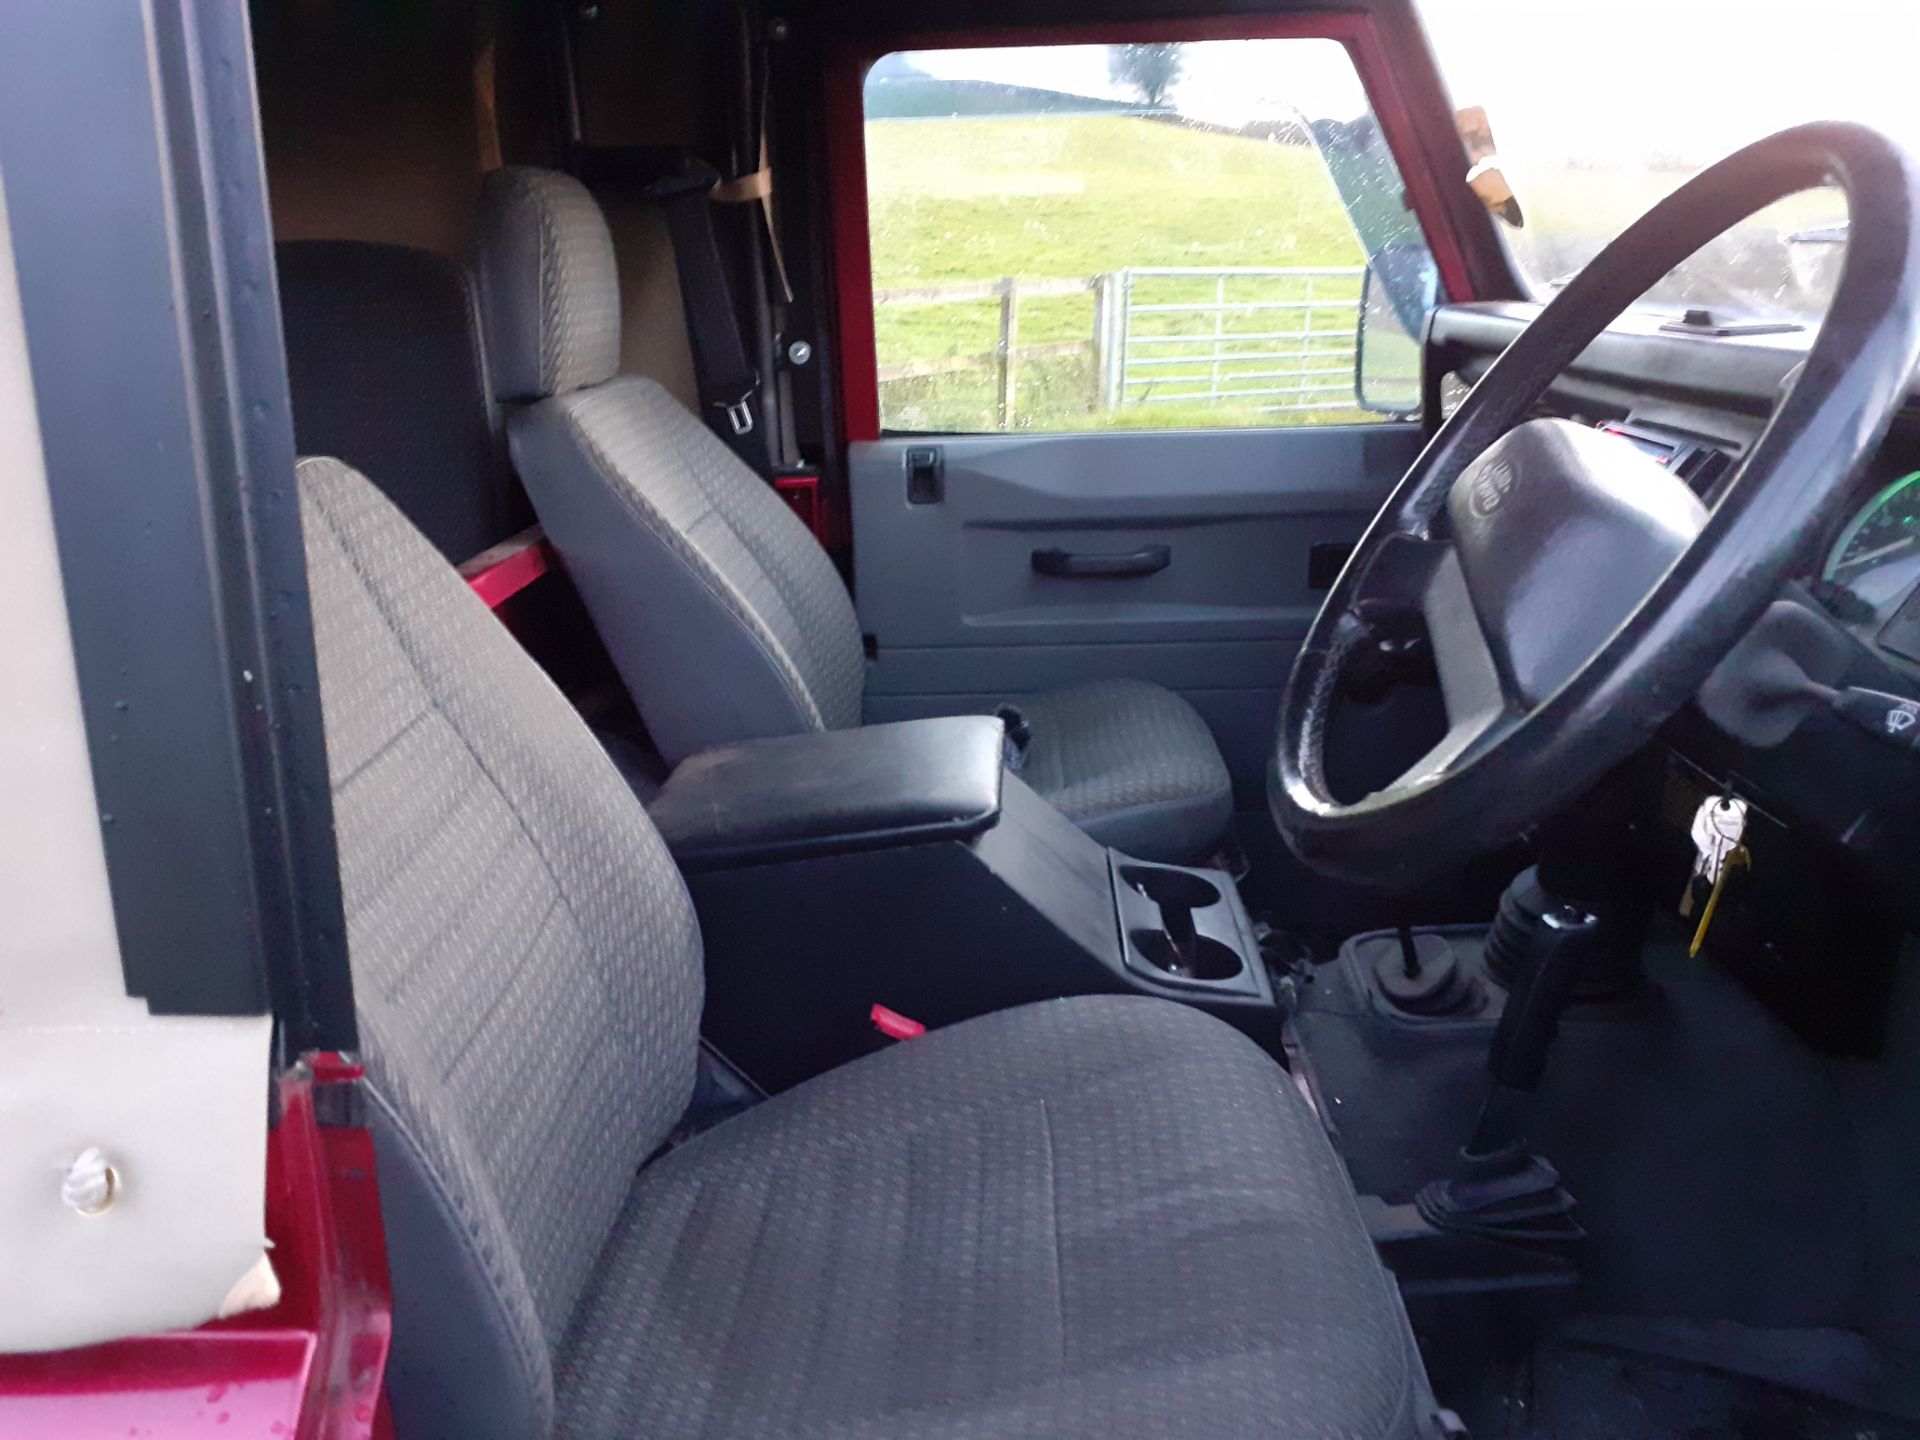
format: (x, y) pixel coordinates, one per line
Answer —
(388, 373)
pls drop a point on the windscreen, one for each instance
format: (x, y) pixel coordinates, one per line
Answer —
(1599, 108)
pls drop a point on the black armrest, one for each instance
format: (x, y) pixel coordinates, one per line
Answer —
(831, 793)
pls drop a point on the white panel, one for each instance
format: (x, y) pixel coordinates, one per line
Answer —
(176, 1106)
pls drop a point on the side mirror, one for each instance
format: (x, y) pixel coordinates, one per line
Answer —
(1396, 293)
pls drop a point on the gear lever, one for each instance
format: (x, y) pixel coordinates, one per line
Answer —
(1423, 976)
(1502, 1190)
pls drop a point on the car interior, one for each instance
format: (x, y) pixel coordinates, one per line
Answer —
(882, 900)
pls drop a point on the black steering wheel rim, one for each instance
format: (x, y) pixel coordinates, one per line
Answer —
(1788, 486)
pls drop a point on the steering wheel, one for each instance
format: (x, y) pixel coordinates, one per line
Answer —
(1575, 593)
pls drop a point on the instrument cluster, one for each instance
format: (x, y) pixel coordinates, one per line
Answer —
(1870, 578)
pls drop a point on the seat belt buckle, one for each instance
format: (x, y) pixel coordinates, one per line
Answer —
(1019, 735)
(740, 414)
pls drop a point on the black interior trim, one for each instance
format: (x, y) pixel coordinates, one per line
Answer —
(139, 219)
(1743, 373)
(833, 792)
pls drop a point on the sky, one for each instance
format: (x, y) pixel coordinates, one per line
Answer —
(1691, 79)
(1231, 82)
(1695, 78)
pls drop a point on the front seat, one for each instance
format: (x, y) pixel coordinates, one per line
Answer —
(1104, 1216)
(726, 620)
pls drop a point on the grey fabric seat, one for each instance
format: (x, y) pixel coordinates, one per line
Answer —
(726, 620)
(1100, 1217)
(1108, 1217)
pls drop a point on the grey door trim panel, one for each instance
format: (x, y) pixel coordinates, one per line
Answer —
(1238, 510)
(989, 671)
(960, 619)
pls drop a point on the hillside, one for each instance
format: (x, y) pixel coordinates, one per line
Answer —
(974, 198)
(926, 97)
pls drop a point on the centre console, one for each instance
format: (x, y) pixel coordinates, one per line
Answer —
(902, 866)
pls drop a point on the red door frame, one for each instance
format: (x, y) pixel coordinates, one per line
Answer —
(312, 1367)
(843, 111)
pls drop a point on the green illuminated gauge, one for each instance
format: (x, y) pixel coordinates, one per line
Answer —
(1878, 555)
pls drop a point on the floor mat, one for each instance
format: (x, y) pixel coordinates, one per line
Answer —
(1570, 1391)
(1710, 1151)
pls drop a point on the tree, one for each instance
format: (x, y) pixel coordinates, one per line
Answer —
(1153, 70)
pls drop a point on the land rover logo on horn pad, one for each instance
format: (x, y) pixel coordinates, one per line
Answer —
(1490, 487)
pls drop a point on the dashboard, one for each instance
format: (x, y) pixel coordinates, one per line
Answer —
(1835, 833)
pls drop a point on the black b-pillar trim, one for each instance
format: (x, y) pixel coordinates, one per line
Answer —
(130, 153)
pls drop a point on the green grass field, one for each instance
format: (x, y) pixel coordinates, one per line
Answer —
(974, 199)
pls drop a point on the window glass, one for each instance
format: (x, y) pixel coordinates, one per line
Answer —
(1597, 109)
(1137, 236)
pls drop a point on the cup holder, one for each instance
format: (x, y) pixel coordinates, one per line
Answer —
(1181, 927)
(1170, 889)
(1194, 957)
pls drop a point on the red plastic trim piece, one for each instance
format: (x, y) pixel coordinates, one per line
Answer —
(309, 1369)
(502, 571)
(844, 120)
(894, 1025)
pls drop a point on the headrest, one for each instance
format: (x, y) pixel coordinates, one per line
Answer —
(549, 293)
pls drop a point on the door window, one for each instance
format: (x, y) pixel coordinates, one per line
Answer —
(1163, 236)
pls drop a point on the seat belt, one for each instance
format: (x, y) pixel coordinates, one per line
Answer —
(725, 375)
(1017, 739)
(752, 184)
(755, 187)
(727, 381)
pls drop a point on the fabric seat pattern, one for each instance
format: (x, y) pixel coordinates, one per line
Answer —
(712, 542)
(725, 618)
(1107, 1217)
(1132, 764)
(1100, 1217)
(526, 960)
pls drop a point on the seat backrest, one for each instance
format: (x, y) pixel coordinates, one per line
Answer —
(385, 363)
(726, 620)
(526, 964)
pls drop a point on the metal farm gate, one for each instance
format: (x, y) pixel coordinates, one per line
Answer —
(1289, 337)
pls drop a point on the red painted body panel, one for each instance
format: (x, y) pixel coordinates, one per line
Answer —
(498, 574)
(843, 113)
(308, 1369)
(844, 119)
(801, 491)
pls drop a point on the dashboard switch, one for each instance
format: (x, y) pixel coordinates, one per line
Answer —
(1893, 719)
